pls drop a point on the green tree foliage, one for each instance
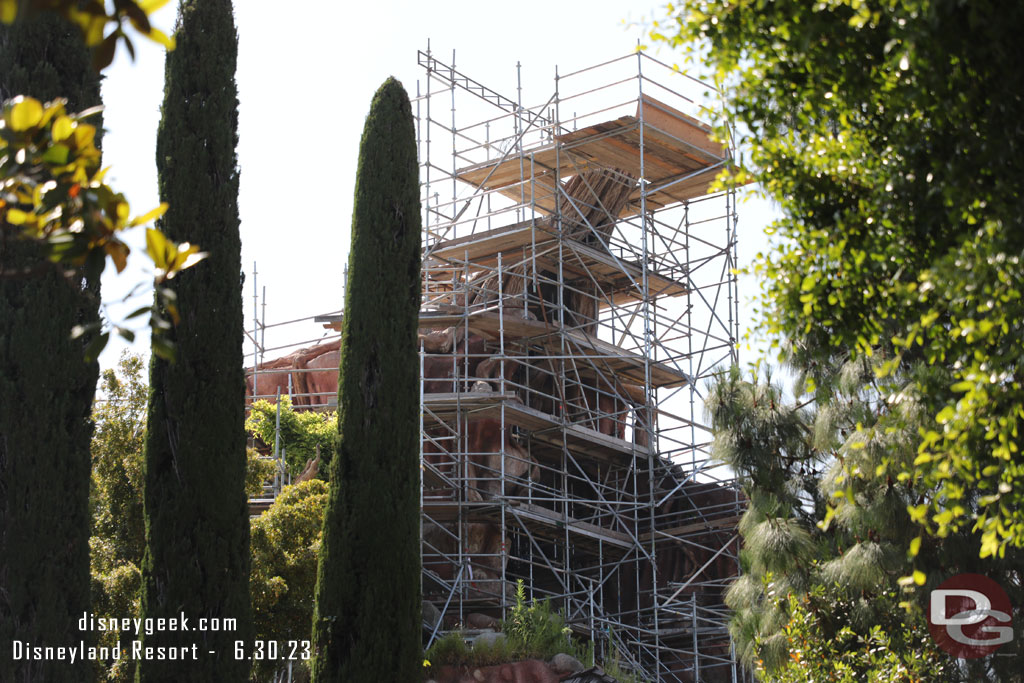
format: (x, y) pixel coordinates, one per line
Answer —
(197, 530)
(822, 646)
(92, 21)
(303, 434)
(56, 210)
(47, 388)
(118, 538)
(285, 543)
(367, 621)
(828, 524)
(258, 471)
(888, 132)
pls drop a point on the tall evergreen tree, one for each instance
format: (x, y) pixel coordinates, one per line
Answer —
(197, 532)
(366, 623)
(47, 389)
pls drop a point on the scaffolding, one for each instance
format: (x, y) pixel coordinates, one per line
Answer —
(578, 292)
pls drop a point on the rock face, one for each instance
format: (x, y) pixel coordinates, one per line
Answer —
(311, 372)
(529, 671)
(565, 664)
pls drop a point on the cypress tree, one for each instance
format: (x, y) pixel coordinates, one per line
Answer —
(46, 393)
(366, 623)
(196, 561)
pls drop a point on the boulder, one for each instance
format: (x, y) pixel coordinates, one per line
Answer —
(565, 664)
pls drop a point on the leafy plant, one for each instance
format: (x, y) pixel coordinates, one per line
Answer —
(536, 632)
(284, 542)
(828, 638)
(367, 620)
(448, 650)
(118, 538)
(258, 470)
(302, 433)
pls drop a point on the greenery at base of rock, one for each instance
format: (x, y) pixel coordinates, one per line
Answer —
(531, 631)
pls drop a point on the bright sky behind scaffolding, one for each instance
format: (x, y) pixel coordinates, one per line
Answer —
(306, 73)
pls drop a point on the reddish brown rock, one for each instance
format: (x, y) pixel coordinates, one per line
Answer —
(528, 671)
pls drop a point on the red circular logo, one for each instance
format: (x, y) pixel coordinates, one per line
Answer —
(969, 616)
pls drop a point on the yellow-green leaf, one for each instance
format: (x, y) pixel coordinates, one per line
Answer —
(158, 36)
(156, 247)
(118, 252)
(150, 216)
(16, 216)
(84, 135)
(62, 128)
(150, 6)
(8, 11)
(26, 113)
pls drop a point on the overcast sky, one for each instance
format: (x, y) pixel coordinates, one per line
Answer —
(306, 73)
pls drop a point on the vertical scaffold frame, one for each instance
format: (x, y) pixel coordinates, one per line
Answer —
(579, 290)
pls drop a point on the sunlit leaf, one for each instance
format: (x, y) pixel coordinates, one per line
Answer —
(26, 113)
(150, 216)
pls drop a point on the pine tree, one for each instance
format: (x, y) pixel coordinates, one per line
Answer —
(47, 389)
(366, 624)
(828, 525)
(197, 532)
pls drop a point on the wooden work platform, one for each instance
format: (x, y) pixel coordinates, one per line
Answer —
(550, 430)
(552, 525)
(721, 523)
(543, 428)
(447, 511)
(439, 406)
(620, 280)
(602, 357)
(678, 158)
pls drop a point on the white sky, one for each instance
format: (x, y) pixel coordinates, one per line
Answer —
(306, 73)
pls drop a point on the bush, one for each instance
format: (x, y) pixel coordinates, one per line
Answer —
(257, 471)
(284, 542)
(301, 432)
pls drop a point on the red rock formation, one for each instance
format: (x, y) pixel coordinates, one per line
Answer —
(312, 370)
(528, 671)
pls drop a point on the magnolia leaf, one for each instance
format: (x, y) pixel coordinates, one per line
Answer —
(150, 6)
(164, 348)
(150, 216)
(57, 155)
(96, 346)
(157, 247)
(16, 216)
(26, 113)
(8, 11)
(118, 252)
(158, 36)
